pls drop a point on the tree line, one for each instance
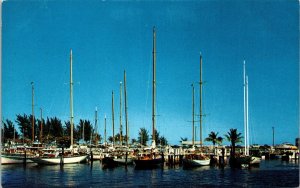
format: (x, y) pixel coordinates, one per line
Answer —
(47, 130)
(52, 129)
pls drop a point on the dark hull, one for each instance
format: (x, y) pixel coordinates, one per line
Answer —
(108, 162)
(149, 163)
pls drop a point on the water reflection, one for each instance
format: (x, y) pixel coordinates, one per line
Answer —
(93, 175)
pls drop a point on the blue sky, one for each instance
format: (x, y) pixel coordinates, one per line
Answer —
(108, 37)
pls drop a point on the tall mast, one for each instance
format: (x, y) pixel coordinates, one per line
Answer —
(113, 116)
(193, 114)
(201, 114)
(245, 107)
(71, 98)
(14, 134)
(154, 88)
(105, 129)
(32, 108)
(121, 132)
(273, 135)
(41, 130)
(83, 131)
(126, 110)
(96, 124)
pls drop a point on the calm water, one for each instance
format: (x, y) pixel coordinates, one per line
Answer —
(269, 174)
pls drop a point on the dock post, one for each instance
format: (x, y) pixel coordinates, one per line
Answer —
(163, 157)
(221, 159)
(174, 161)
(24, 162)
(62, 157)
(126, 157)
(180, 159)
(92, 157)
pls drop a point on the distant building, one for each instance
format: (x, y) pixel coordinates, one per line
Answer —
(190, 143)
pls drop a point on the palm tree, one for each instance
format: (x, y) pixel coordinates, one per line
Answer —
(25, 125)
(87, 130)
(213, 137)
(183, 139)
(110, 139)
(133, 140)
(233, 137)
(163, 141)
(143, 136)
(117, 138)
(9, 131)
(157, 140)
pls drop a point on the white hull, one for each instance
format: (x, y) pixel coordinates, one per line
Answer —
(14, 160)
(58, 160)
(123, 161)
(255, 160)
(96, 157)
(196, 162)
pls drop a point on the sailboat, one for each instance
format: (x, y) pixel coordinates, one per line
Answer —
(123, 155)
(197, 158)
(151, 157)
(247, 159)
(70, 156)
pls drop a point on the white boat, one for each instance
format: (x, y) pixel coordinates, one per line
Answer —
(247, 159)
(59, 160)
(198, 158)
(71, 156)
(123, 160)
(14, 159)
(196, 162)
(255, 160)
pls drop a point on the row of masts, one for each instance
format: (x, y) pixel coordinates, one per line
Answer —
(126, 109)
(153, 105)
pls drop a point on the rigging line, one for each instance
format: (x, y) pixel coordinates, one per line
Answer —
(148, 86)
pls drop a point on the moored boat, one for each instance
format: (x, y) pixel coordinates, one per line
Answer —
(148, 161)
(151, 158)
(193, 160)
(15, 159)
(247, 159)
(72, 155)
(59, 160)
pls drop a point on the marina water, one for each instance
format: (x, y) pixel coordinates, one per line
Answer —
(271, 173)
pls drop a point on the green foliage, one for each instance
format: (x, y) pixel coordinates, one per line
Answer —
(183, 139)
(213, 137)
(9, 131)
(163, 141)
(133, 141)
(84, 130)
(233, 137)
(53, 129)
(25, 125)
(143, 137)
